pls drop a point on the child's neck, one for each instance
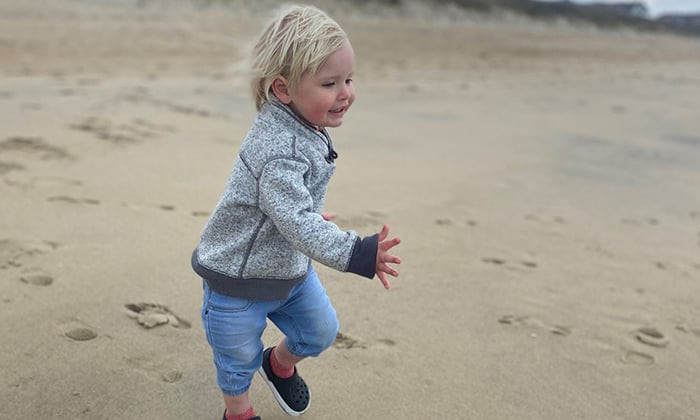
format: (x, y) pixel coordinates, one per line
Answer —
(301, 117)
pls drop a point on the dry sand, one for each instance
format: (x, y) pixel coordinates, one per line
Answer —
(544, 179)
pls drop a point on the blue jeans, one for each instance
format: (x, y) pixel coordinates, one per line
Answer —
(234, 328)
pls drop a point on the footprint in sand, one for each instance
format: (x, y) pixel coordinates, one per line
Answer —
(560, 330)
(651, 337)
(73, 200)
(35, 146)
(81, 334)
(512, 320)
(652, 221)
(141, 95)
(14, 254)
(77, 330)
(171, 376)
(632, 357)
(184, 109)
(152, 366)
(163, 207)
(450, 222)
(386, 342)
(10, 254)
(503, 262)
(43, 182)
(345, 341)
(150, 315)
(545, 220)
(524, 320)
(493, 260)
(133, 131)
(36, 278)
(684, 328)
(6, 167)
(105, 130)
(628, 221)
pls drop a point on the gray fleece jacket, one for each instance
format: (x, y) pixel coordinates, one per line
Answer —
(267, 225)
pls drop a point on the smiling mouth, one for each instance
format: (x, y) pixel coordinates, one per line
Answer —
(338, 110)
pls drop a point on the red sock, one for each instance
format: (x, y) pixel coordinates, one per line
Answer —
(249, 414)
(277, 368)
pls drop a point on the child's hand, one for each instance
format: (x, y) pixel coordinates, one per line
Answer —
(384, 258)
(327, 216)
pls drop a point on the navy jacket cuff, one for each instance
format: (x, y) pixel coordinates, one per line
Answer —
(364, 256)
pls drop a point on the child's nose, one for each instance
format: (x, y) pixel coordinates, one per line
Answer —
(344, 92)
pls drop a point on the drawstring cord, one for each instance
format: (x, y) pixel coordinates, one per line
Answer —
(332, 154)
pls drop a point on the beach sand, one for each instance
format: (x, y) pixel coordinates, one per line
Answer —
(543, 177)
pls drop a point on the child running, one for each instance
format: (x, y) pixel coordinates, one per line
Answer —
(255, 251)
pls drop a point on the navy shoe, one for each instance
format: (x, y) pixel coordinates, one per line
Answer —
(291, 393)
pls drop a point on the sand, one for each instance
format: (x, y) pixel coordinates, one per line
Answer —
(544, 180)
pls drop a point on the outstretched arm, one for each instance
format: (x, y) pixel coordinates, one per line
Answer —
(384, 258)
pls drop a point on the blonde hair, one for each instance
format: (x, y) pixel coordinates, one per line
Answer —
(297, 41)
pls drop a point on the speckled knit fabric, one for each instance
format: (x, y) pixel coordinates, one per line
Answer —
(267, 226)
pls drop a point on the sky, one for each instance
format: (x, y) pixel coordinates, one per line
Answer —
(659, 7)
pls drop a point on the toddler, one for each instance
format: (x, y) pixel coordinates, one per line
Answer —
(255, 251)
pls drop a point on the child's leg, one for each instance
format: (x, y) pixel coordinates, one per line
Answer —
(238, 405)
(234, 327)
(307, 319)
(310, 325)
(282, 361)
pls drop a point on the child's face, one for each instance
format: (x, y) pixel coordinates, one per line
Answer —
(324, 98)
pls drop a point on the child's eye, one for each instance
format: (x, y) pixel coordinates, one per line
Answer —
(328, 84)
(348, 81)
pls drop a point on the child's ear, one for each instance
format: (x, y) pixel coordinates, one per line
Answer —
(281, 90)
